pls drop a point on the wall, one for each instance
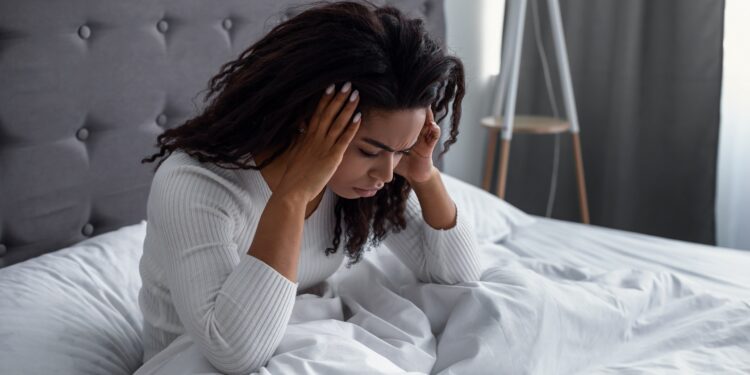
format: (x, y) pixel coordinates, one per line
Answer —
(474, 31)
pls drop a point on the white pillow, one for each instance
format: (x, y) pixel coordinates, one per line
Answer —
(493, 218)
(75, 310)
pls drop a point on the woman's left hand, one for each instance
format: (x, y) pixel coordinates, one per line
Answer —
(417, 165)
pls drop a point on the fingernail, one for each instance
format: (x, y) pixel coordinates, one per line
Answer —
(357, 117)
(346, 87)
(354, 96)
(330, 89)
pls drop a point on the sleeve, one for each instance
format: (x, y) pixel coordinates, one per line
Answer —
(443, 256)
(234, 306)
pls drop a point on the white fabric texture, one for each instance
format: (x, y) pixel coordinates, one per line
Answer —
(555, 297)
(75, 310)
(596, 249)
(199, 280)
(527, 315)
(493, 219)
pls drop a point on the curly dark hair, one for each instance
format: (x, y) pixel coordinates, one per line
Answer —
(257, 100)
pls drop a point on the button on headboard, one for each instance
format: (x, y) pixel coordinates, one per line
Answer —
(85, 88)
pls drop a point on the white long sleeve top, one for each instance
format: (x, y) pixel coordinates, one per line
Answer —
(198, 278)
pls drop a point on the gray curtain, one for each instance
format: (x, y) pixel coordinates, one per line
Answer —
(647, 77)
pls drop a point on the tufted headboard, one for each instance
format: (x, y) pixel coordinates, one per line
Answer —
(85, 88)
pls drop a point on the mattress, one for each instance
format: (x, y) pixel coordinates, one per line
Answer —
(554, 297)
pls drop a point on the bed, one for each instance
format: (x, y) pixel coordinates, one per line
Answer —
(86, 86)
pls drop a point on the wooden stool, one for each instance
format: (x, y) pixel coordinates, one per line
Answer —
(530, 125)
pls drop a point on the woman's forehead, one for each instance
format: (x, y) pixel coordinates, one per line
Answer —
(395, 128)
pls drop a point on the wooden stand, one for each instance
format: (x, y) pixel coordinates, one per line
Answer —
(537, 125)
(505, 102)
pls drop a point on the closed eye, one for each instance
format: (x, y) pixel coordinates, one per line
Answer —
(369, 155)
(385, 147)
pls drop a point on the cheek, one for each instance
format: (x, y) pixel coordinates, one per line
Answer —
(350, 168)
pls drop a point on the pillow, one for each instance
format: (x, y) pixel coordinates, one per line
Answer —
(493, 218)
(75, 310)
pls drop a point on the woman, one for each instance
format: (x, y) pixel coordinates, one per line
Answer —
(325, 126)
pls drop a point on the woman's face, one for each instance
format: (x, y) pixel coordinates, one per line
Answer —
(378, 132)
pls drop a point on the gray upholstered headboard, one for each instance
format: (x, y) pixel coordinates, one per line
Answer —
(85, 87)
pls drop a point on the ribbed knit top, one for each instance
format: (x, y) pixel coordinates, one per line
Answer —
(198, 278)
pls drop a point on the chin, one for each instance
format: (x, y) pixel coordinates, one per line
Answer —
(347, 193)
(348, 196)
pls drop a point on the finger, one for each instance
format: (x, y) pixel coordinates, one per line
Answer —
(426, 128)
(345, 116)
(333, 108)
(434, 134)
(430, 115)
(322, 104)
(348, 134)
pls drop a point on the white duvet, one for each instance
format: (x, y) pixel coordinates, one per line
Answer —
(524, 317)
(75, 311)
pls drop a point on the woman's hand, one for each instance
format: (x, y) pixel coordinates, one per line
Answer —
(417, 166)
(317, 153)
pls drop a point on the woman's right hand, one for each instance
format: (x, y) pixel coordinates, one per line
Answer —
(316, 155)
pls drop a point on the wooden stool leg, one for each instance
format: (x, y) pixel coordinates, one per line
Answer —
(503, 173)
(582, 200)
(489, 162)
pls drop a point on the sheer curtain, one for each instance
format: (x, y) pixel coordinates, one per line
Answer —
(733, 183)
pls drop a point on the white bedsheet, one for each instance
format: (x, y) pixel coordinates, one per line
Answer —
(528, 315)
(558, 299)
(598, 249)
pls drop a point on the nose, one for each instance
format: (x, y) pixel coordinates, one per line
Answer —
(382, 171)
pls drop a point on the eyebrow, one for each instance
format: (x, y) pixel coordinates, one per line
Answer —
(384, 146)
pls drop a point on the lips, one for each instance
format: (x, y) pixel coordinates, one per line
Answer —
(366, 192)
